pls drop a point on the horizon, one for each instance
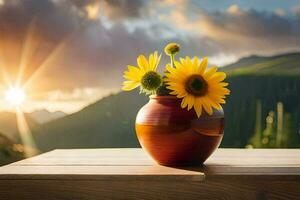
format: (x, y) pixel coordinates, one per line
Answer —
(11, 109)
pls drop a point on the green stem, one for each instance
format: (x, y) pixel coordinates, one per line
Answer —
(172, 60)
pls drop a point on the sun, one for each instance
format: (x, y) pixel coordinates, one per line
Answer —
(15, 96)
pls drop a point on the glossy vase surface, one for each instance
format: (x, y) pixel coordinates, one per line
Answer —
(176, 137)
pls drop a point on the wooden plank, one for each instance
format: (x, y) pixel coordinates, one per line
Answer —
(159, 190)
(222, 162)
(103, 157)
(99, 164)
(229, 157)
(99, 173)
(131, 174)
(259, 162)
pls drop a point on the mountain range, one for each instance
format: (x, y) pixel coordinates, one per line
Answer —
(284, 64)
(44, 116)
(110, 121)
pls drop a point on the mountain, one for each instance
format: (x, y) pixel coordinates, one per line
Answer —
(8, 121)
(9, 127)
(285, 64)
(110, 121)
(43, 116)
(106, 123)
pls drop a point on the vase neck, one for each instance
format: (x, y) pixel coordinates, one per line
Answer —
(165, 99)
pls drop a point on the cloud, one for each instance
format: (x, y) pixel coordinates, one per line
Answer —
(88, 44)
(64, 37)
(92, 10)
(173, 3)
(279, 12)
(296, 11)
(30, 30)
(242, 32)
(118, 9)
(234, 10)
(69, 49)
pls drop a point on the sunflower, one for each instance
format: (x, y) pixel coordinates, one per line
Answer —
(145, 75)
(197, 86)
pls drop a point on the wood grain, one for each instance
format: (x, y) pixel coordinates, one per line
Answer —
(92, 189)
(131, 174)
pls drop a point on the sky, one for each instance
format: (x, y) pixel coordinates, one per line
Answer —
(70, 53)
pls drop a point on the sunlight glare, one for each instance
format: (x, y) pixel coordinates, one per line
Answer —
(15, 96)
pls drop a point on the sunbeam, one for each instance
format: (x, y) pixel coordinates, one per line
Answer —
(43, 66)
(29, 48)
(51, 56)
(5, 75)
(25, 134)
(58, 49)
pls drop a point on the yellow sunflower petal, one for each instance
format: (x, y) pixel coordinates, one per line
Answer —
(151, 62)
(180, 92)
(176, 79)
(203, 65)
(169, 68)
(133, 73)
(218, 77)
(181, 95)
(223, 84)
(198, 106)
(178, 64)
(196, 64)
(175, 73)
(143, 63)
(190, 101)
(210, 72)
(207, 106)
(224, 91)
(192, 69)
(213, 103)
(130, 85)
(215, 98)
(182, 61)
(157, 62)
(222, 101)
(184, 102)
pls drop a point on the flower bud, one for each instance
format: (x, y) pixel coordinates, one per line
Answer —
(172, 49)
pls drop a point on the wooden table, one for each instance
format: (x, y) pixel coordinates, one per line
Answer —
(131, 174)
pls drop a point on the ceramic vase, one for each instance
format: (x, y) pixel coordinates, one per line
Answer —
(177, 137)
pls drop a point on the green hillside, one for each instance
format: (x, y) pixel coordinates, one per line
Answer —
(106, 123)
(253, 103)
(9, 152)
(286, 64)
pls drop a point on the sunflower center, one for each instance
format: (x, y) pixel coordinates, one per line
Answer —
(196, 85)
(151, 80)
